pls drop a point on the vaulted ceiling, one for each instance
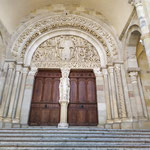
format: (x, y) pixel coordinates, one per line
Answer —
(117, 12)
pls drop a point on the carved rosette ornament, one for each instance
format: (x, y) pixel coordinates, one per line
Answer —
(55, 22)
(66, 51)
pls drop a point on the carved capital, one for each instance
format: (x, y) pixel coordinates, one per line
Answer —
(97, 72)
(111, 69)
(136, 3)
(133, 76)
(33, 71)
(18, 67)
(11, 65)
(105, 72)
(25, 70)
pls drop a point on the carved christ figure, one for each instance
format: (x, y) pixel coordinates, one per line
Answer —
(66, 49)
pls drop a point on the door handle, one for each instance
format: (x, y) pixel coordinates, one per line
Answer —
(45, 106)
(81, 106)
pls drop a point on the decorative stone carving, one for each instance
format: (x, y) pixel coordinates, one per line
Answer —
(64, 86)
(97, 72)
(66, 51)
(122, 108)
(65, 21)
(135, 2)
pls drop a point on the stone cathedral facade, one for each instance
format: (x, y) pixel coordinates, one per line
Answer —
(67, 66)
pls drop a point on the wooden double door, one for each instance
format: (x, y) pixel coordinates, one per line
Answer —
(82, 108)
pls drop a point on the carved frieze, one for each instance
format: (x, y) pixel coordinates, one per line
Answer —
(66, 51)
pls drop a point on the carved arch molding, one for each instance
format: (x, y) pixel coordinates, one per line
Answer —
(28, 33)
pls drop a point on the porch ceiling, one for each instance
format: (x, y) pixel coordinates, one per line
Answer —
(116, 12)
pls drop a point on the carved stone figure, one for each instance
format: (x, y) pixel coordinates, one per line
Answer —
(64, 86)
(66, 49)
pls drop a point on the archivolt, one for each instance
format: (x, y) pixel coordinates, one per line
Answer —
(50, 23)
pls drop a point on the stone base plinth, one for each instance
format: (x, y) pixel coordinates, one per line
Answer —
(63, 125)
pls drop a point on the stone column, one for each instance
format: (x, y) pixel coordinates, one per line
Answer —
(64, 91)
(15, 91)
(3, 76)
(4, 82)
(16, 114)
(107, 96)
(113, 92)
(9, 88)
(27, 98)
(138, 103)
(120, 91)
(143, 25)
(101, 103)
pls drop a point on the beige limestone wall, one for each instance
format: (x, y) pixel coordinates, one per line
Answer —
(147, 10)
(144, 74)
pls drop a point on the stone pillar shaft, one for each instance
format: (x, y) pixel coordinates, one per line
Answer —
(120, 91)
(16, 115)
(107, 96)
(138, 105)
(11, 71)
(3, 81)
(27, 96)
(101, 103)
(16, 87)
(113, 91)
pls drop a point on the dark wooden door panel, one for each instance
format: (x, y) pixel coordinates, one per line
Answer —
(56, 91)
(82, 93)
(38, 90)
(73, 91)
(47, 91)
(82, 109)
(45, 108)
(82, 114)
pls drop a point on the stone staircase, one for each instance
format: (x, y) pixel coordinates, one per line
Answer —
(81, 138)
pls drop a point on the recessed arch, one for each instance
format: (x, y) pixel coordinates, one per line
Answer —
(38, 26)
(132, 39)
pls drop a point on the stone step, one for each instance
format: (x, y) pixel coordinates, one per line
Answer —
(75, 144)
(73, 139)
(72, 129)
(74, 135)
(66, 148)
(120, 132)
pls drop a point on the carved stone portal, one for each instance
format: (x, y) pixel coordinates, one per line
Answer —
(66, 51)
